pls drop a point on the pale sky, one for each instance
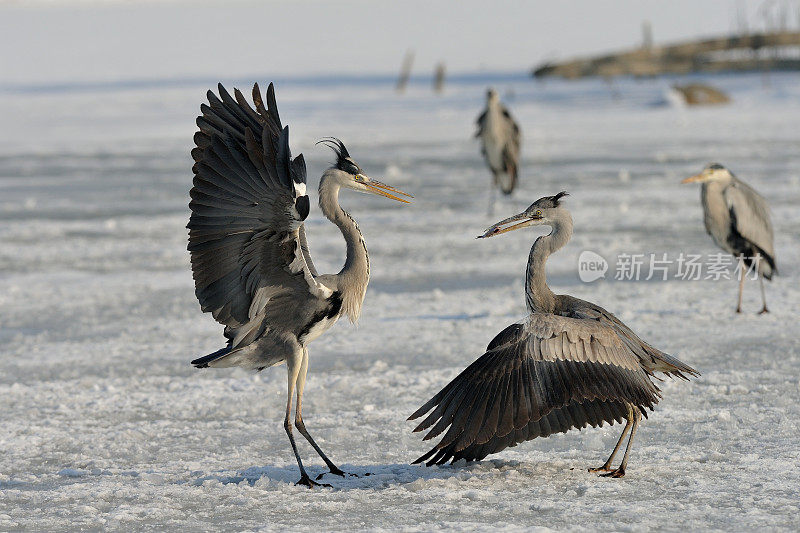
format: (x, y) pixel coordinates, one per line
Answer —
(64, 41)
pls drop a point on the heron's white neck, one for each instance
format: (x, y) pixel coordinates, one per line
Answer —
(493, 108)
(538, 295)
(354, 275)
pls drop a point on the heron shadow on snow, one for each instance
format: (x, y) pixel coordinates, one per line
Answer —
(368, 476)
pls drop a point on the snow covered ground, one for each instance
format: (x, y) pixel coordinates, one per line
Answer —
(104, 424)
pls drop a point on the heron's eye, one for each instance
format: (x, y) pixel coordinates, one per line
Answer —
(538, 213)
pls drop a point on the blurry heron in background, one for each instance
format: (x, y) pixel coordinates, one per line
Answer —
(570, 364)
(500, 140)
(250, 256)
(737, 218)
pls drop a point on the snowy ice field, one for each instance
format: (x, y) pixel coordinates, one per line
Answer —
(106, 425)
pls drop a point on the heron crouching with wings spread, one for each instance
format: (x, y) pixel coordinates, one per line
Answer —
(249, 252)
(570, 364)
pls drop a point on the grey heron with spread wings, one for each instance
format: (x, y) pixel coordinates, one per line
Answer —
(738, 220)
(570, 364)
(249, 252)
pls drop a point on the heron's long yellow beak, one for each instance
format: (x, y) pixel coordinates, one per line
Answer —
(692, 179)
(510, 224)
(376, 187)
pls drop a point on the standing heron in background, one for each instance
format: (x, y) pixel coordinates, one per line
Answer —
(500, 140)
(250, 256)
(569, 365)
(737, 218)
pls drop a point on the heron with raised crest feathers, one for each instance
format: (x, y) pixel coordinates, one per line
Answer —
(250, 257)
(570, 364)
(738, 220)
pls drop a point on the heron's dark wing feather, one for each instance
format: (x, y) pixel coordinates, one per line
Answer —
(750, 216)
(592, 413)
(248, 206)
(546, 376)
(481, 123)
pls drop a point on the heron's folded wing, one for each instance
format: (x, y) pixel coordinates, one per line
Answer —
(248, 206)
(750, 215)
(514, 134)
(551, 365)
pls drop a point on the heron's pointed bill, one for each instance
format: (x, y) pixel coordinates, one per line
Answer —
(377, 187)
(696, 177)
(523, 220)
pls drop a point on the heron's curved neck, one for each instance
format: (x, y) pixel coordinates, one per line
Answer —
(718, 183)
(354, 275)
(538, 295)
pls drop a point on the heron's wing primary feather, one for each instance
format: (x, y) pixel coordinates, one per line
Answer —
(546, 376)
(750, 215)
(248, 204)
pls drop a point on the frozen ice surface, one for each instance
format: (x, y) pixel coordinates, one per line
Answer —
(106, 425)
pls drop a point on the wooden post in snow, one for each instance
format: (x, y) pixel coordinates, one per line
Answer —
(438, 77)
(405, 71)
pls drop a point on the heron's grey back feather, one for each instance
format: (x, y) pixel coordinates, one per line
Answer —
(248, 206)
(750, 213)
(651, 359)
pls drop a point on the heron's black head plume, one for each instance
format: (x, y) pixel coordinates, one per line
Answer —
(343, 160)
(715, 166)
(549, 201)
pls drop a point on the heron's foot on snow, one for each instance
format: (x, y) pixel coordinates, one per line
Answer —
(618, 472)
(763, 310)
(335, 471)
(307, 482)
(738, 309)
(604, 468)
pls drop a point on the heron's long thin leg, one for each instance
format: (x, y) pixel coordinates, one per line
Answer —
(620, 472)
(741, 283)
(298, 418)
(492, 194)
(763, 297)
(293, 365)
(607, 465)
